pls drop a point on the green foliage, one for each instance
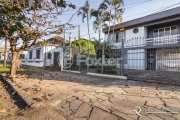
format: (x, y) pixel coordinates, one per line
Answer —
(84, 44)
(29, 22)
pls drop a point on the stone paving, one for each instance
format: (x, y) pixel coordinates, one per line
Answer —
(83, 97)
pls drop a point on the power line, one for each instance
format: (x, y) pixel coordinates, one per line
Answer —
(138, 14)
(162, 8)
(138, 4)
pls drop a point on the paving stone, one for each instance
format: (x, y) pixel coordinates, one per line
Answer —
(101, 106)
(117, 102)
(125, 109)
(135, 91)
(100, 90)
(136, 100)
(135, 117)
(177, 116)
(75, 104)
(122, 115)
(71, 99)
(66, 105)
(110, 90)
(91, 97)
(107, 103)
(144, 118)
(155, 102)
(98, 114)
(153, 117)
(80, 119)
(120, 97)
(166, 117)
(101, 97)
(85, 99)
(83, 111)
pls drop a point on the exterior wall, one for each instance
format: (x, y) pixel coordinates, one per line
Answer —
(130, 35)
(136, 59)
(168, 59)
(52, 49)
(43, 50)
(34, 61)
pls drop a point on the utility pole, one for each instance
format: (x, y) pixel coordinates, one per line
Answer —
(64, 48)
(5, 53)
(122, 57)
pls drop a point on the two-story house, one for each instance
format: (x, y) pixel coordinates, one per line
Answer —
(150, 43)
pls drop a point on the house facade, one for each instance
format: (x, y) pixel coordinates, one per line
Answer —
(150, 43)
(48, 54)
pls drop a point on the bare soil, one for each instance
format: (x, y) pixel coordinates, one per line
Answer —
(12, 107)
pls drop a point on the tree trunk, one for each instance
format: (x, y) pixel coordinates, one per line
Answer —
(88, 27)
(99, 35)
(109, 24)
(113, 32)
(5, 53)
(15, 63)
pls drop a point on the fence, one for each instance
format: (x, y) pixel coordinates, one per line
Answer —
(144, 59)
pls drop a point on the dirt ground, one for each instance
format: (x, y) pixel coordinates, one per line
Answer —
(13, 108)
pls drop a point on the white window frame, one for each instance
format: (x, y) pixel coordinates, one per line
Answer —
(39, 53)
(164, 30)
(31, 55)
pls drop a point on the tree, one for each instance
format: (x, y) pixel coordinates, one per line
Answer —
(116, 18)
(84, 44)
(26, 26)
(112, 6)
(86, 11)
(101, 17)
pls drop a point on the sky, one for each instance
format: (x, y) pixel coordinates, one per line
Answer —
(133, 9)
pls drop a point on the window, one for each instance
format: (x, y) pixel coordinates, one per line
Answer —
(161, 32)
(155, 33)
(121, 36)
(49, 56)
(174, 30)
(117, 40)
(30, 55)
(165, 31)
(22, 56)
(136, 30)
(38, 53)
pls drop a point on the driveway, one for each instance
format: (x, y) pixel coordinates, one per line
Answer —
(83, 97)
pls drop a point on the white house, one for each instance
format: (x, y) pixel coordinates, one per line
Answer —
(48, 54)
(150, 43)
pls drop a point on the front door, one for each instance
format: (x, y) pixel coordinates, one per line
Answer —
(151, 59)
(56, 54)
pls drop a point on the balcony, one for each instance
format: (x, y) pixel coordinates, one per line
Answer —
(156, 42)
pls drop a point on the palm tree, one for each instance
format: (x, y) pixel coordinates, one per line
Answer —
(116, 18)
(110, 6)
(85, 11)
(99, 23)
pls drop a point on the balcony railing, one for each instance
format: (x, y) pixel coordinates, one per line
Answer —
(155, 41)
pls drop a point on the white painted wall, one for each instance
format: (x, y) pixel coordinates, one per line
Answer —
(40, 62)
(135, 59)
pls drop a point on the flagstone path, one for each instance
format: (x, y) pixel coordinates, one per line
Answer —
(83, 97)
